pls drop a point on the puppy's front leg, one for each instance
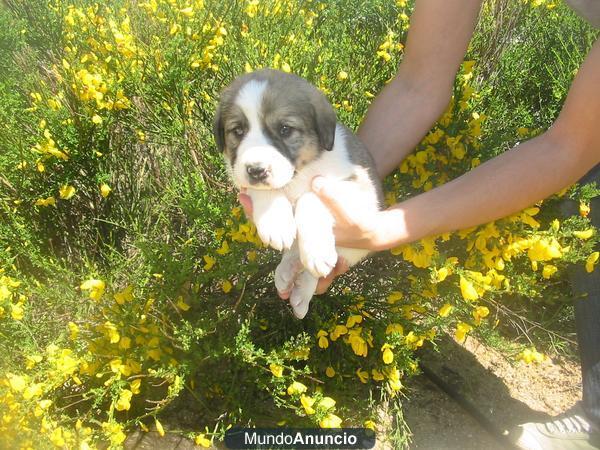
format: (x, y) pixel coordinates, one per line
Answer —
(316, 241)
(274, 218)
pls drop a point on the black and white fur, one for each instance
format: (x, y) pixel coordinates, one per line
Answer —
(278, 132)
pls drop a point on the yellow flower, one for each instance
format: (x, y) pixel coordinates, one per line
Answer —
(276, 370)
(210, 262)
(34, 390)
(74, 330)
(126, 295)
(159, 428)
(116, 432)
(530, 355)
(591, 261)
(181, 304)
(393, 375)
(363, 375)
(394, 328)
(56, 437)
(135, 386)
(125, 343)
(445, 310)
(584, 209)
(358, 344)
(353, 320)
(548, 270)
(584, 234)
(175, 28)
(202, 441)
(323, 341)
(96, 119)
(370, 424)
(16, 311)
(342, 75)
(224, 249)
(467, 290)
(393, 297)
(338, 331)
(479, 313)
(307, 403)
(105, 190)
(296, 388)
(377, 375)
(227, 286)
(461, 331)
(441, 274)
(111, 332)
(66, 192)
(188, 12)
(330, 421)
(17, 382)
(330, 372)
(123, 403)
(544, 250)
(96, 288)
(32, 360)
(49, 201)
(327, 403)
(388, 355)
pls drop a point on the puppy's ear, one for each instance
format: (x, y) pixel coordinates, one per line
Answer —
(324, 120)
(218, 129)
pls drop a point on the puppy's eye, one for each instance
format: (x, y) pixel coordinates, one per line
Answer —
(285, 131)
(238, 131)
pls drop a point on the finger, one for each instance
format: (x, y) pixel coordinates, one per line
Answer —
(329, 192)
(340, 267)
(246, 203)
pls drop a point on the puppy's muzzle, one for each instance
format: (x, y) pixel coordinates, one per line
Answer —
(257, 173)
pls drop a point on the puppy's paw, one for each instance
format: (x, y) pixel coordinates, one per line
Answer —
(286, 273)
(276, 226)
(318, 254)
(302, 292)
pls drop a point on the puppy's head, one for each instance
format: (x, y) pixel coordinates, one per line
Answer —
(269, 124)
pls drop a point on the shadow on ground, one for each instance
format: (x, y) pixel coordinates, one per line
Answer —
(504, 394)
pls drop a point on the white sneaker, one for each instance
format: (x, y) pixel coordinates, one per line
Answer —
(569, 431)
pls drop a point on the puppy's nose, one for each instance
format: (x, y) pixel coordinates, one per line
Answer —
(256, 173)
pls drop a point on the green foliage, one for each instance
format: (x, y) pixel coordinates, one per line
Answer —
(132, 282)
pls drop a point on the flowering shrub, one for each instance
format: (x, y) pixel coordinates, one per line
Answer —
(139, 294)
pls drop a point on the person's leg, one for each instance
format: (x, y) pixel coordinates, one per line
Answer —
(586, 289)
(577, 429)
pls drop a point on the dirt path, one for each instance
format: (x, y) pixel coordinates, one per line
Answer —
(505, 393)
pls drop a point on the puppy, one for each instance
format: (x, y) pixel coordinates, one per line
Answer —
(277, 132)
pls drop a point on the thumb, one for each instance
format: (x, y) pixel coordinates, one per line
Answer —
(329, 192)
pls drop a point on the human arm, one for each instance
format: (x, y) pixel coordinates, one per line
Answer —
(414, 99)
(499, 187)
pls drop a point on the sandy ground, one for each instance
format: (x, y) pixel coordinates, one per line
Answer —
(504, 392)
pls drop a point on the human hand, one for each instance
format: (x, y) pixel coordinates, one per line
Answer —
(352, 227)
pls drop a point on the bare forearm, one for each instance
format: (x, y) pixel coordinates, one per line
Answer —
(410, 104)
(502, 186)
(514, 180)
(406, 110)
